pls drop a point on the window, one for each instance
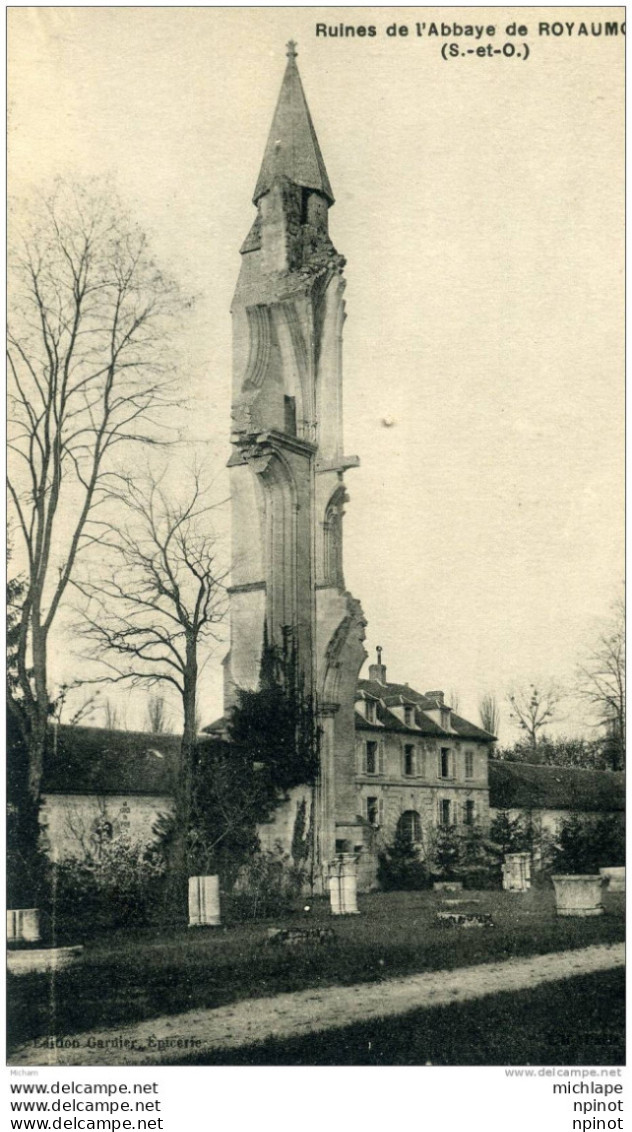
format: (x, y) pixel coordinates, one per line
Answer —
(371, 758)
(445, 812)
(409, 715)
(370, 711)
(305, 195)
(470, 812)
(372, 811)
(409, 759)
(469, 764)
(289, 406)
(445, 763)
(409, 827)
(332, 529)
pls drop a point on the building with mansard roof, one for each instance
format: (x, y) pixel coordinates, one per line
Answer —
(419, 765)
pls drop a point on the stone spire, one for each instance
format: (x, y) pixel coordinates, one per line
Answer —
(292, 150)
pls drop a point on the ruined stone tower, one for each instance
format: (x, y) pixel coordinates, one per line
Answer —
(287, 465)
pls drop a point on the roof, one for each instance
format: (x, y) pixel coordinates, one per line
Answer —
(292, 148)
(389, 695)
(94, 760)
(217, 727)
(469, 730)
(528, 786)
(393, 692)
(386, 721)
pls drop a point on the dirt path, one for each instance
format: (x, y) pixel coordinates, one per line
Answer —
(165, 1040)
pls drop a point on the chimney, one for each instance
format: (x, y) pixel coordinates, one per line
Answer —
(436, 696)
(378, 671)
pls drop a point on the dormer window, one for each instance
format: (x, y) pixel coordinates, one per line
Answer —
(370, 711)
(409, 715)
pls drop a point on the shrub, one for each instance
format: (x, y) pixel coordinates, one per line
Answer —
(269, 885)
(511, 835)
(401, 868)
(454, 854)
(584, 845)
(118, 885)
(445, 853)
(480, 860)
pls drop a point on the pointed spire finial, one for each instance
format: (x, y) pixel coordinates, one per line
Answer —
(379, 654)
(292, 150)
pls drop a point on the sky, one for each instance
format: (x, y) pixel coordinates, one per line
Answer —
(479, 204)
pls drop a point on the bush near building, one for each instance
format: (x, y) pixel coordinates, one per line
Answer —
(585, 845)
(469, 856)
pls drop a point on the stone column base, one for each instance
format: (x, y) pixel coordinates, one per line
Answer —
(343, 885)
(204, 902)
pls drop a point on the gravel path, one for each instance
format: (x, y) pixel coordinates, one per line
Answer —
(165, 1040)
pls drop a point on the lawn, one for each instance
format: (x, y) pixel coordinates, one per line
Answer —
(579, 1021)
(127, 977)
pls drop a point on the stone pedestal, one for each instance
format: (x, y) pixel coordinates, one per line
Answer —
(614, 877)
(204, 902)
(578, 895)
(23, 925)
(41, 959)
(343, 885)
(517, 872)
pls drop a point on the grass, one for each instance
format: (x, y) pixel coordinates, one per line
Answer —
(131, 976)
(578, 1021)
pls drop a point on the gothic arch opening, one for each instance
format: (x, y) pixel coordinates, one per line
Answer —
(280, 511)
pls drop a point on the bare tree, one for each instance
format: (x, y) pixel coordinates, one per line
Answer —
(454, 699)
(157, 715)
(89, 312)
(111, 715)
(534, 708)
(601, 683)
(82, 712)
(160, 599)
(489, 713)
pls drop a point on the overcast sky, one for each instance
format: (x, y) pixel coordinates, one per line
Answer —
(479, 203)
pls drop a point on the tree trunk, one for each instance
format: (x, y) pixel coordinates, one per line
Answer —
(39, 708)
(178, 864)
